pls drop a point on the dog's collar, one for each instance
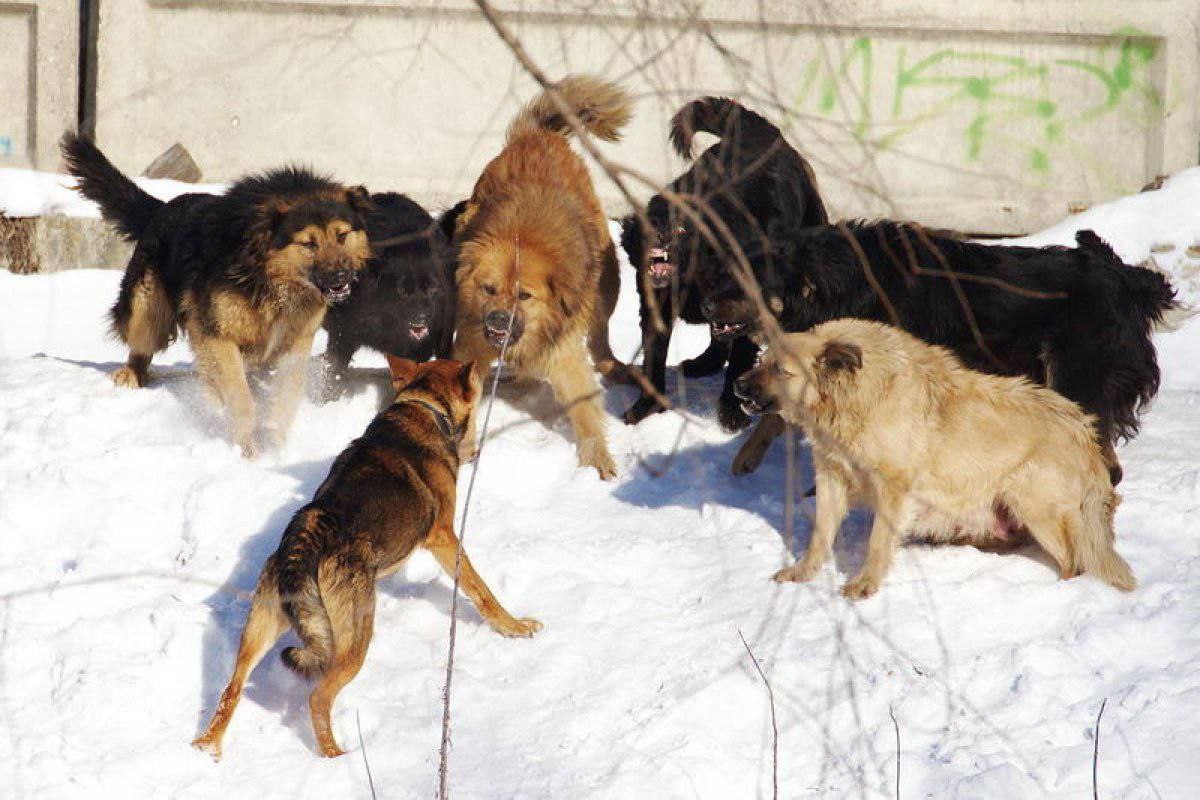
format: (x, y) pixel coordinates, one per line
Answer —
(448, 429)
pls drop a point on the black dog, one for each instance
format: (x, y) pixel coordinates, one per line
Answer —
(751, 175)
(1076, 319)
(403, 304)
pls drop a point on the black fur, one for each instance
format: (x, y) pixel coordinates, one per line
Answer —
(408, 285)
(1077, 319)
(751, 175)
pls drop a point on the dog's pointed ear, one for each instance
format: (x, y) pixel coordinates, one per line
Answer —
(468, 379)
(358, 198)
(403, 371)
(840, 356)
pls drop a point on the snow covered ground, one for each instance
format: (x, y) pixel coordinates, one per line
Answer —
(131, 533)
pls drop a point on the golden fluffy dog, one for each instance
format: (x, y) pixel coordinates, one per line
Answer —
(937, 450)
(536, 267)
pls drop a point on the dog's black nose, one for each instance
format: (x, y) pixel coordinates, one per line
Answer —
(498, 320)
(708, 308)
(420, 320)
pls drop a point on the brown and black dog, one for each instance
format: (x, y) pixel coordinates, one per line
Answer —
(247, 275)
(391, 491)
(536, 264)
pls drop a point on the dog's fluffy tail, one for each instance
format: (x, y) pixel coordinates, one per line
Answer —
(1094, 551)
(602, 107)
(122, 202)
(721, 117)
(300, 594)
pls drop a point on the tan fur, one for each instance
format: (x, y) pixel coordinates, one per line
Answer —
(533, 225)
(337, 610)
(937, 450)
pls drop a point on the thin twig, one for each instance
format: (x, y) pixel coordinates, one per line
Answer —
(444, 751)
(774, 725)
(363, 747)
(896, 725)
(1096, 751)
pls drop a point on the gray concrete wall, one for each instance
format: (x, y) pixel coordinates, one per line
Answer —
(39, 51)
(989, 115)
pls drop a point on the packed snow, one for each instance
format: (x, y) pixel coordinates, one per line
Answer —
(131, 533)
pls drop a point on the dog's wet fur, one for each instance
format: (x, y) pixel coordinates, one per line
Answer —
(391, 491)
(936, 450)
(247, 275)
(403, 303)
(1076, 319)
(751, 174)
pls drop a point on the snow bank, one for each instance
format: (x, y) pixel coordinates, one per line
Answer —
(28, 193)
(131, 534)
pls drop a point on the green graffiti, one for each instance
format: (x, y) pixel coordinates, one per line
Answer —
(983, 91)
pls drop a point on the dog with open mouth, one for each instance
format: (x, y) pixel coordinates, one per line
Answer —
(936, 450)
(247, 275)
(536, 267)
(403, 302)
(752, 172)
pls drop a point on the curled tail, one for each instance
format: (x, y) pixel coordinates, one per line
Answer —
(300, 595)
(122, 202)
(721, 117)
(1094, 551)
(602, 107)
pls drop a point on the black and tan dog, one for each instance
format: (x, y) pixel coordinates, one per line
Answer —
(391, 491)
(247, 275)
(403, 302)
(753, 175)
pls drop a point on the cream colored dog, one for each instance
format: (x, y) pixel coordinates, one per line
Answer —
(938, 450)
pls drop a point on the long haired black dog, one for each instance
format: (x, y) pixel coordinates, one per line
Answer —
(753, 175)
(403, 303)
(1076, 319)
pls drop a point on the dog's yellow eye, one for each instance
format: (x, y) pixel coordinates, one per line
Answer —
(310, 245)
(524, 295)
(341, 237)
(489, 289)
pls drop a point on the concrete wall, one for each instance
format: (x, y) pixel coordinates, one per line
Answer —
(39, 52)
(992, 115)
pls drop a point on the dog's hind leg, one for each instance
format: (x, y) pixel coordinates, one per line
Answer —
(833, 501)
(755, 449)
(143, 318)
(264, 625)
(606, 302)
(349, 596)
(444, 545)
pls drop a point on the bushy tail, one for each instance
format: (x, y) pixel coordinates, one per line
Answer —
(1137, 301)
(602, 107)
(122, 203)
(721, 117)
(1094, 551)
(300, 595)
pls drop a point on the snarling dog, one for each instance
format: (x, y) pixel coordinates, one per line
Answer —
(404, 300)
(751, 174)
(537, 270)
(247, 275)
(391, 491)
(938, 450)
(1076, 319)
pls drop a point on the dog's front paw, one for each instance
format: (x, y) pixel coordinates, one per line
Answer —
(643, 407)
(731, 416)
(700, 367)
(749, 458)
(467, 451)
(127, 377)
(596, 455)
(206, 744)
(249, 447)
(860, 587)
(799, 572)
(616, 372)
(518, 628)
